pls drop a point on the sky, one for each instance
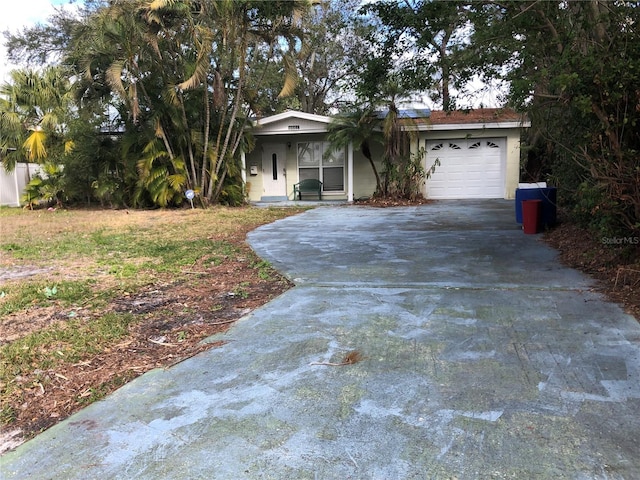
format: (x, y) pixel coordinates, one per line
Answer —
(16, 15)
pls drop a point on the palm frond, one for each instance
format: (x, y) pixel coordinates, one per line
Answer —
(34, 145)
(158, 130)
(10, 124)
(177, 181)
(160, 4)
(114, 78)
(204, 42)
(69, 145)
(50, 120)
(10, 159)
(154, 149)
(135, 102)
(290, 77)
(170, 95)
(199, 74)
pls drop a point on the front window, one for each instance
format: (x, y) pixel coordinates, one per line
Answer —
(316, 160)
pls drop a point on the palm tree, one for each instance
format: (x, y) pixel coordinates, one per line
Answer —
(180, 68)
(379, 121)
(362, 127)
(34, 112)
(34, 108)
(229, 37)
(396, 146)
(122, 63)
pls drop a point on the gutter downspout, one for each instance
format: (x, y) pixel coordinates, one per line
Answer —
(243, 172)
(350, 172)
(17, 184)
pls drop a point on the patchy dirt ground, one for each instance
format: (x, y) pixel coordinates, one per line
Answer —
(615, 266)
(166, 335)
(172, 320)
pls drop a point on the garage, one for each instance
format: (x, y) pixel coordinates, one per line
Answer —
(469, 168)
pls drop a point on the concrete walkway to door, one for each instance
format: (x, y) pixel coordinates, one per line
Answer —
(482, 357)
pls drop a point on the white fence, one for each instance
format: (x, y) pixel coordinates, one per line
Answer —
(12, 183)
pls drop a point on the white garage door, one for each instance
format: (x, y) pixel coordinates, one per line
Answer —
(469, 168)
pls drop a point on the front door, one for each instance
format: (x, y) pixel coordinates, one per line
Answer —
(274, 180)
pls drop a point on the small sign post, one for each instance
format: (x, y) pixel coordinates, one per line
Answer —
(190, 194)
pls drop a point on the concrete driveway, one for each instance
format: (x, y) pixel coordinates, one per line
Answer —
(481, 357)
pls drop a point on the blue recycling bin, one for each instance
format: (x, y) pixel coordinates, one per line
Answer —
(548, 211)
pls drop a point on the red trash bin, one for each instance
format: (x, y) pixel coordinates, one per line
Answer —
(531, 215)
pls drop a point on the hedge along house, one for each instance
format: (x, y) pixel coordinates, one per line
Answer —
(479, 154)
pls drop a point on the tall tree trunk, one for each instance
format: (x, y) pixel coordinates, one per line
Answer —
(222, 153)
(207, 127)
(192, 161)
(366, 152)
(445, 71)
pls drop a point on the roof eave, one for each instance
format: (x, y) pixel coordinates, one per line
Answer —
(471, 126)
(292, 114)
(289, 132)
